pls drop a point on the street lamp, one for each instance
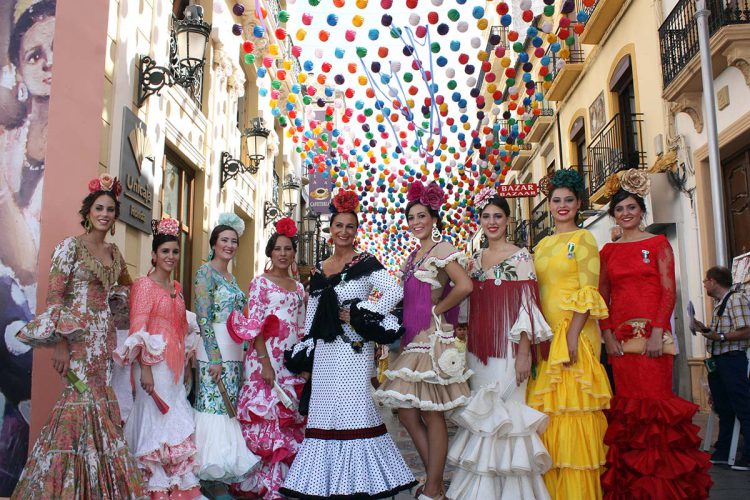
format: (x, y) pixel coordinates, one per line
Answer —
(272, 212)
(187, 50)
(256, 142)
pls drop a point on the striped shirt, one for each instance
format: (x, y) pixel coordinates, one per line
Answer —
(736, 316)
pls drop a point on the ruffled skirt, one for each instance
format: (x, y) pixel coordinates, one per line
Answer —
(163, 443)
(80, 452)
(497, 448)
(271, 431)
(222, 453)
(412, 381)
(653, 444)
(573, 398)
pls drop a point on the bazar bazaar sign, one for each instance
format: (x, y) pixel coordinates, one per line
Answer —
(526, 190)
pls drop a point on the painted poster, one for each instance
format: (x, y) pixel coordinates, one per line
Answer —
(27, 29)
(320, 192)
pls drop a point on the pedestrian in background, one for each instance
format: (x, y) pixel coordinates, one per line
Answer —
(728, 341)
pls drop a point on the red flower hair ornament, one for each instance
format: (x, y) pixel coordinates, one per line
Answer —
(431, 196)
(286, 227)
(345, 201)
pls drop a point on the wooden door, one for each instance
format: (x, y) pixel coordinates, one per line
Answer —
(736, 172)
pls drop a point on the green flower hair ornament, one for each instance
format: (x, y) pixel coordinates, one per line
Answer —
(232, 220)
(568, 178)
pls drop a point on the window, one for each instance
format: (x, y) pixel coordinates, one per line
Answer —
(177, 203)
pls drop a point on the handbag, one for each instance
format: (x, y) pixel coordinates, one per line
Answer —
(447, 352)
(642, 330)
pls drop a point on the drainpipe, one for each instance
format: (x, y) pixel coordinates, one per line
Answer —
(559, 137)
(714, 163)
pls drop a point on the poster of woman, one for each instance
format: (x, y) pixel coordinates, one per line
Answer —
(27, 30)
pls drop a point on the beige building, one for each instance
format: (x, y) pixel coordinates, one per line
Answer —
(193, 148)
(627, 94)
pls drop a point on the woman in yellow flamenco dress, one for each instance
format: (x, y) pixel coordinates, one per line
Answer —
(571, 386)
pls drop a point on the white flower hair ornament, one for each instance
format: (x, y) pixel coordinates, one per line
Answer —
(482, 198)
(232, 220)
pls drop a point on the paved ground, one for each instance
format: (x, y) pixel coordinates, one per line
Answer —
(728, 484)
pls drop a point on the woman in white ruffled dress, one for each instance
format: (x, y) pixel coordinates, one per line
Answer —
(497, 448)
(159, 429)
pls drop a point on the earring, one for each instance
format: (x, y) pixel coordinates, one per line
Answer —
(268, 266)
(210, 255)
(23, 92)
(436, 236)
(295, 269)
(642, 225)
(87, 225)
(112, 229)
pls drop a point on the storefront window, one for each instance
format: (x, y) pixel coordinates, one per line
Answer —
(177, 203)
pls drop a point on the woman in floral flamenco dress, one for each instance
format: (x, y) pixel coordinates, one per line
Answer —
(415, 386)
(497, 447)
(222, 456)
(571, 386)
(81, 452)
(653, 443)
(160, 427)
(272, 426)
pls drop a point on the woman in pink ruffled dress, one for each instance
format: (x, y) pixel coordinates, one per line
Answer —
(268, 401)
(160, 427)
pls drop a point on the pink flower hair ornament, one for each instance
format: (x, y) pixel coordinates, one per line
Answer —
(431, 195)
(166, 226)
(105, 182)
(482, 198)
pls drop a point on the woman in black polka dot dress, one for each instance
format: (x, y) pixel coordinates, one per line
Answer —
(347, 451)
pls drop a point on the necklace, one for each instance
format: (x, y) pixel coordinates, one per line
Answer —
(411, 267)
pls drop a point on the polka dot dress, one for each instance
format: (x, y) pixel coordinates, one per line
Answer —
(347, 452)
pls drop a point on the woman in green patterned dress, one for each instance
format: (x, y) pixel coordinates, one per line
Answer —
(223, 455)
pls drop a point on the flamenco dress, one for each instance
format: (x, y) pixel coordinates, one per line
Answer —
(653, 444)
(81, 452)
(161, 442)
(567, 266)
(347, 452)
(223, 455)
(412, 379)
(271, 430)
(497, 449)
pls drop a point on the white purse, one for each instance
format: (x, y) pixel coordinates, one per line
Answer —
(447, 352)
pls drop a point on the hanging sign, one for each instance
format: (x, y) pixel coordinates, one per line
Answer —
(525, 190)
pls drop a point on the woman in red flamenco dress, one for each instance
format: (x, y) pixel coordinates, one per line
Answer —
(653, 444)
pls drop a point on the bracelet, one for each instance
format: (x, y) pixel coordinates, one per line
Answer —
(262, 357)
(212, 362)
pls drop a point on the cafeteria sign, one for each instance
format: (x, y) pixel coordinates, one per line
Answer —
(526, 190)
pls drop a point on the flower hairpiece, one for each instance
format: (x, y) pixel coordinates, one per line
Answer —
(482, 198)
(105, 182)
(565, 177)
(345, 201)
(232, 220)
(166, 226)
(431, 196)
(634, 181)
(286, 227)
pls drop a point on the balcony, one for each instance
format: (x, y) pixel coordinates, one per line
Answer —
(524, 154)
(541, 222)
(541, 123)
(678, 40)
(563, 79)
(601, 15)
(619, 146)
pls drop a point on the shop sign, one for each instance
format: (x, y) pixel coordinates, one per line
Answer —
(136, 174)
(319, 191)
(525, 190)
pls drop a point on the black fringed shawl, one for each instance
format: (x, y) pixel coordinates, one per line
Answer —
(326, 324)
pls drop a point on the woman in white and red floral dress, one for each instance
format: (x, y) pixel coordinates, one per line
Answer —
(271, 424)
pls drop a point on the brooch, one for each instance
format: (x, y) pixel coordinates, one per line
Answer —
(646, 253)
(571, 250)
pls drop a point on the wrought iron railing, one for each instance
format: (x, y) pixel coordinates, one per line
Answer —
(619, 146)
(541, 222)
(274, 7)
(498, 38)
(544, 105)
(521, 234)
(580, 6)
(575, 55)
(678, 34)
